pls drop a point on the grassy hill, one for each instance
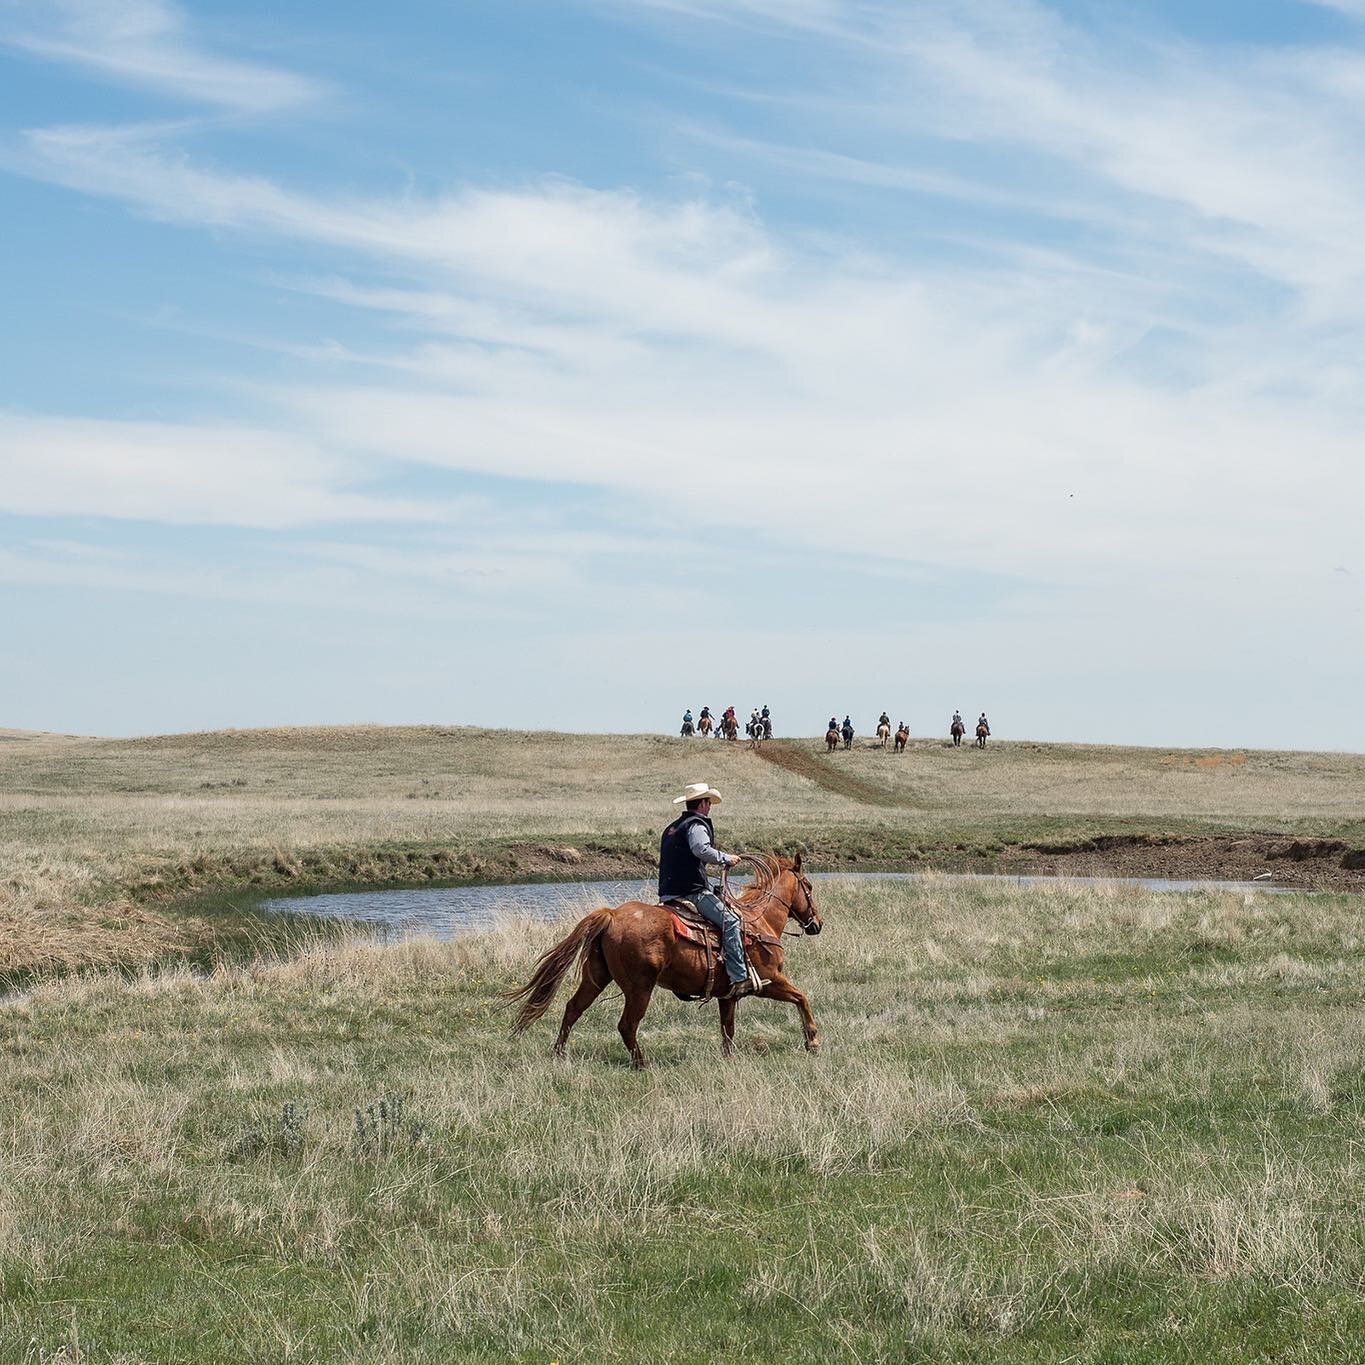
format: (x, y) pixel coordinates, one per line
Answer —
(100, 838)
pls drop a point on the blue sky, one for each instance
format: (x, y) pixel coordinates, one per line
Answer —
(562, 364)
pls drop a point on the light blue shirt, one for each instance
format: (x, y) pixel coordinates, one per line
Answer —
(703, 849)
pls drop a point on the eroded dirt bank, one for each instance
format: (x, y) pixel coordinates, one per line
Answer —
(1307, 863)
(1316, 864)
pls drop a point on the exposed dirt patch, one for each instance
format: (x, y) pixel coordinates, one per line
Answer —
(827, 774)
(1315, 864)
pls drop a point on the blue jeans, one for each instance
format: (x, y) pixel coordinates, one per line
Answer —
(714, 911)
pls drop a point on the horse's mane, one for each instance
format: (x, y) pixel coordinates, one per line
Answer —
(766, 869)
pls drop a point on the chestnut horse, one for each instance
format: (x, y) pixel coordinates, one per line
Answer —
(831, 739)
(981, 732)
(704, 725)
(957, 730)
(636, 945)
(902, 735)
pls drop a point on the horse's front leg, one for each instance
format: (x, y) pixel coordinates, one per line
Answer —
(727, 1027)
(779, 988)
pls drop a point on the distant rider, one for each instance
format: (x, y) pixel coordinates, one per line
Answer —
(984, 724)
(687, 845)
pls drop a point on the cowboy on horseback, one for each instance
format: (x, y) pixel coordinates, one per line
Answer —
(685, 849)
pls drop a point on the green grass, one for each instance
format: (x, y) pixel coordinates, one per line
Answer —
(1049, 1124)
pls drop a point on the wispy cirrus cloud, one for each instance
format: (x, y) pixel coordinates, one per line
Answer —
(152, 45)
(226, 475)
(754, 363)
(1108, 386)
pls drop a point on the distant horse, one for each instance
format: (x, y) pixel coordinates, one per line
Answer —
(902, 735)
(847, 733)
(981, 732)
(883, 734)
(729, 728)
(638, 946)
(767, 727)
(957, 732)
(831, 739)
(704, 726)
(686, 730)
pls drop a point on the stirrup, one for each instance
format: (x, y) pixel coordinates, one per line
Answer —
(751, 985)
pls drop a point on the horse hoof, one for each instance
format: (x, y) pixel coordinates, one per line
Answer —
(813, 1048)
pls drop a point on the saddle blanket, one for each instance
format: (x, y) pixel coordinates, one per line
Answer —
(689, 926)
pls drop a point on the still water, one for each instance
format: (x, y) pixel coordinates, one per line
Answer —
(446, 912)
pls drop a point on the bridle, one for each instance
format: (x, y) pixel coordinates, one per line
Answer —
(765, 893)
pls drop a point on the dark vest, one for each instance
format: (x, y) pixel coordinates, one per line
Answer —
(680, 871)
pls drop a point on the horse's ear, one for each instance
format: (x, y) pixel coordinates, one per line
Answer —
(796, 862)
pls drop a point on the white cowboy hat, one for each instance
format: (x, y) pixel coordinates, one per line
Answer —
(697, 791)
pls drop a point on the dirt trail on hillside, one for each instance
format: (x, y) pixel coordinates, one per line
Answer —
(831, 778)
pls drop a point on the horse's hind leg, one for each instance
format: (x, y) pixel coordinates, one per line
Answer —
(594, 982)
(637, 1002)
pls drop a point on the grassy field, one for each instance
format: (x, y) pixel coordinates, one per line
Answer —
(1062, 1124)
(100, 838)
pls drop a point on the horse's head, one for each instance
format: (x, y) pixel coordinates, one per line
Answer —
(801, 907)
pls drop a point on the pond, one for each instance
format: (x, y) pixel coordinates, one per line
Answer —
(447, 912)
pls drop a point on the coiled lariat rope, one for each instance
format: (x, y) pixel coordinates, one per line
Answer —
(765, 874)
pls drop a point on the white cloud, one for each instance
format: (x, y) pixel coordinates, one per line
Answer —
(661, 347)
(149, 43)
(1354, 8)
(816, 394)
(158, 471)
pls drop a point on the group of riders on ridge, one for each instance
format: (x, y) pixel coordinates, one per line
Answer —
(760, 726)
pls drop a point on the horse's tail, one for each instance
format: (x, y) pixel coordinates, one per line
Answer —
(552, 965)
